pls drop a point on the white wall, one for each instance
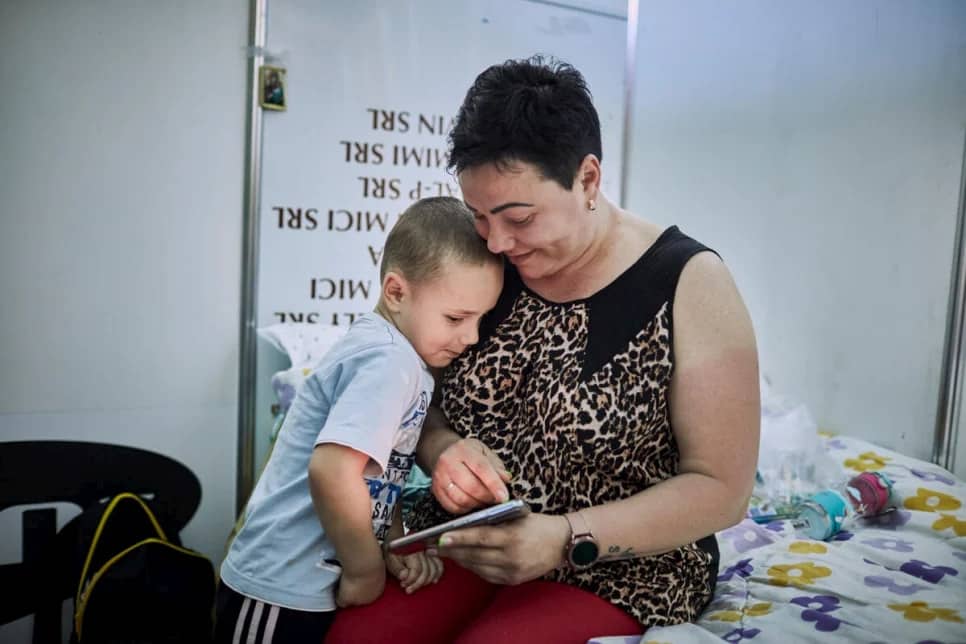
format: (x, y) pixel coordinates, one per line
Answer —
(122, 130)
(817, 146)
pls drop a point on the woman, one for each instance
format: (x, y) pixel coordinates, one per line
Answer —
(616, 381)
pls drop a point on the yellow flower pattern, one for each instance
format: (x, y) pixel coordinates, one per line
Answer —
(923, 612)
(755, 610)
(867, 461)
(798, 574)
(950, 521)
(927, 500)
(808, 548)
(820, 581)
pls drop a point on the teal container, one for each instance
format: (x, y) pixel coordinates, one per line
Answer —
(822, 515)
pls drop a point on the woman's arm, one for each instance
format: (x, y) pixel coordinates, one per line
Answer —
(436, 436)
(715, 414)
(466, 474)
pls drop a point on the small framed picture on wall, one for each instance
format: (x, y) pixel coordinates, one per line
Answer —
(271, 80)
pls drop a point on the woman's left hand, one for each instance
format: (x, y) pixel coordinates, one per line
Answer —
(509, 553)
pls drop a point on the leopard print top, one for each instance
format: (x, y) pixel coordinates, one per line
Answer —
(574, 398)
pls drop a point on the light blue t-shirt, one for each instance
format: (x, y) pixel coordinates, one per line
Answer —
(370, 392)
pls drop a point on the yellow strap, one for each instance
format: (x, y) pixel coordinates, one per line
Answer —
(100, 527)
(81, 604)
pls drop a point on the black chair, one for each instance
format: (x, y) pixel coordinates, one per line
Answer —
(37, 472)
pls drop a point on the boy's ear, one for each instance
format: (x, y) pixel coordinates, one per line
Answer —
(395, 288)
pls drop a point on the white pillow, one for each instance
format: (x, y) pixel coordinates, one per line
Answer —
(305, 345)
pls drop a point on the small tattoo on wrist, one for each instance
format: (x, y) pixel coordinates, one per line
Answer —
(617, 553)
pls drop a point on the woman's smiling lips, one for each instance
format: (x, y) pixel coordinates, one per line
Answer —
(519, 257)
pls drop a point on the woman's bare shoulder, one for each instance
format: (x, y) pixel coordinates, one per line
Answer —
(708, 308)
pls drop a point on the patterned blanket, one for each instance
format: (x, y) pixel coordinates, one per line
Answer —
(899, 577)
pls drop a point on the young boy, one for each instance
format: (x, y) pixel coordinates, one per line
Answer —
(312, 529)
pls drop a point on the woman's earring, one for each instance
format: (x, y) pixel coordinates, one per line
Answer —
(592, 205)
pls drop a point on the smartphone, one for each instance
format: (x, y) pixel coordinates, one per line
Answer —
(487, 516)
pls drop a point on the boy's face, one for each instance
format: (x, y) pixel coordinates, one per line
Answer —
(441, 317)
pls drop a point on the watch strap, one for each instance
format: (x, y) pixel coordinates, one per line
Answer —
(581, 537)
(576, 519)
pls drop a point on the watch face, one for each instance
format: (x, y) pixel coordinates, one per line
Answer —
(584, 553)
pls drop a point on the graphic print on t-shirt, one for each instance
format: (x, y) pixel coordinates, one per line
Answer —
(386, 489)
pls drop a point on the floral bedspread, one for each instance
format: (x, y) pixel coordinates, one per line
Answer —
(899, 577)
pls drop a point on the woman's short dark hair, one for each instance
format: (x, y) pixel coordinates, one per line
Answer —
(430, 233)
(534, 110)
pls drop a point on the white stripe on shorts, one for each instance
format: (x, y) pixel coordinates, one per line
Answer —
(240, 621)
(253, 625)
(270, 625)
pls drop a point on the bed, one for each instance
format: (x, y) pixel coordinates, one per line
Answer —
(899, 577)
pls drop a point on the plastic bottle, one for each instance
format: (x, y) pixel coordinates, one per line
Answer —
(826, 513)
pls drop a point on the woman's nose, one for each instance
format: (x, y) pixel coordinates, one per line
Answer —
(499, 241)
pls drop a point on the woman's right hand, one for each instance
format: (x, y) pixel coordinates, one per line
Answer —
(469, 475)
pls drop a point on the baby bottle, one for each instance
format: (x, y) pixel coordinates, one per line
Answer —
(827, 512)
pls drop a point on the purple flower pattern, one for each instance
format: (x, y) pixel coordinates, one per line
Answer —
(285, 394)
(896, 545)
(892, 586)
(820, 603)
(742, 569)
(889, 520)
(927, 572)
(820, 609)
(926, 475)
(740, 634)
(817, 609)
(747, 536)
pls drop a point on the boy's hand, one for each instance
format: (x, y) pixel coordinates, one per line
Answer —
(414, 570)
(360, 589)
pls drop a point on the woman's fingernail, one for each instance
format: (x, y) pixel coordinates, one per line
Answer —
(508, 475)
(504, 496)
(445, 541)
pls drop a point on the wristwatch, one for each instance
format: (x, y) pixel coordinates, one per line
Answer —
(582, 551)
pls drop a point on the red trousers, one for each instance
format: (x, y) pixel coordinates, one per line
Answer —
(462, 608)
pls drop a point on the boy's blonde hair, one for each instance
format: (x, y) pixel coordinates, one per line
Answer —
(430, 233)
